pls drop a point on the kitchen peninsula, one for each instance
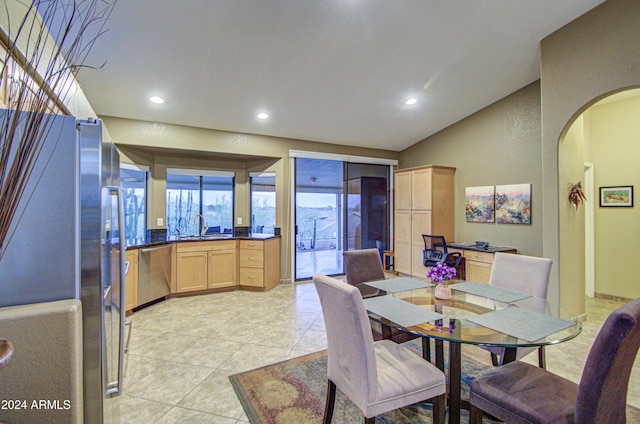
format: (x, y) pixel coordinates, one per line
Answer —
(208, 264)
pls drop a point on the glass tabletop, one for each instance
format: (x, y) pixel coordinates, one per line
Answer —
(528, 317)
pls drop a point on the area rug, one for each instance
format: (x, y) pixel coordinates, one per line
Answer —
(294, 391)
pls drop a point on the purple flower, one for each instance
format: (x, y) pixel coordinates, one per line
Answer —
(441, 272)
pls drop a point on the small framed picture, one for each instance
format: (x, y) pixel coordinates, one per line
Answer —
(616, 197)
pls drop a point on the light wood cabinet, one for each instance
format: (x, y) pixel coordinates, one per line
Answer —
(132, 280)
(222, 268)
(477, 265)
(259, 263)
(424, 200)
(205, 265)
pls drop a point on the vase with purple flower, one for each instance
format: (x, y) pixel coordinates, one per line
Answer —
(440, 275)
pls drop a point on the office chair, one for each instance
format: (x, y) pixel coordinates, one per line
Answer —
(435, 252)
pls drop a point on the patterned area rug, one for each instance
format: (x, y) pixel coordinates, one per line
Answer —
(294, 391)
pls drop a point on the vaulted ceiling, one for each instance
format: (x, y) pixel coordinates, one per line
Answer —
(336, 71)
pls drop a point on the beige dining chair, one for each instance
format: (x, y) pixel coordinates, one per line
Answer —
(526, 274)
(521, 393)
(376, 376)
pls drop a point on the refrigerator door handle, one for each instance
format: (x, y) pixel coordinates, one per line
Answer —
(114, 387)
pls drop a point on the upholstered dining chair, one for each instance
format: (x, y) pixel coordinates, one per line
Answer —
(365, 265)
(521, 393)
(526, 274)
(376, 376)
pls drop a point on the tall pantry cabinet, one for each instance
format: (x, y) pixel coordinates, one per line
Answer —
(424, 203)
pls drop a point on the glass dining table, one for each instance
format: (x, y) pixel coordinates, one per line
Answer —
(476, 314)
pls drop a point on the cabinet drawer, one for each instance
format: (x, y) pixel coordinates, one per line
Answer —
(251, 258)
(252, 277)
(472, 255)
(251, 244)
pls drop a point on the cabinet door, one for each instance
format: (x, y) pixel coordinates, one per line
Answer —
(191, 273)
(402, 190)
(478, 272)
(420, 224)
(402, 241)
(222, 268)
(132, 280)
(421, 188)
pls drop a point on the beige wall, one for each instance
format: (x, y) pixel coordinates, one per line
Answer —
(615, 134)
(593, 56)
(220, 150)
(571, 157)
(497, 145)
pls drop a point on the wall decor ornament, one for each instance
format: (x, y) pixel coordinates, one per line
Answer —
(576, 195)
(513, 204)
(479, 204)
(616, 197)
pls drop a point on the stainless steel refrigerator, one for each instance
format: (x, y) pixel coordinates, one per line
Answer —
(67, 242)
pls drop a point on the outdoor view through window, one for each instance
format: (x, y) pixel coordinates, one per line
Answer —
(263, 203)
(134, 184)
(209, 195)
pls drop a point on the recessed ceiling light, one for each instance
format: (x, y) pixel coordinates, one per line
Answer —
(263, 115)
(156, 99)
(410, 102)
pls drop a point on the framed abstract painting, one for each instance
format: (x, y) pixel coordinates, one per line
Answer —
(479, 204)
(513, 204)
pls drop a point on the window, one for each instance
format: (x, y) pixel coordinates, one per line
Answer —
(208, 193)
(263, 202)
(133, 180)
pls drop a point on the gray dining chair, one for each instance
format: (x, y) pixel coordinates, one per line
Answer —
(522, 393)
(526, 274)
(376, 376)
(361, 266)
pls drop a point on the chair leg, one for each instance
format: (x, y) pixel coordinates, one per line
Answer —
(331, 399)
(494, 360)
(426, 348)
(370, 420)
(475, 415)
(542, 361)
(439, 408)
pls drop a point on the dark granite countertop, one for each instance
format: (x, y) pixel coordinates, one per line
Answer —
(157, 237)
(488, 249)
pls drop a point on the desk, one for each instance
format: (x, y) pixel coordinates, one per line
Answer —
(457, 329)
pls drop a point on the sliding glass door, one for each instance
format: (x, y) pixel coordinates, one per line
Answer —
(338, 206)
(318, 221)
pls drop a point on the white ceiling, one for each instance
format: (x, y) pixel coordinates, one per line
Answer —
(335, 71)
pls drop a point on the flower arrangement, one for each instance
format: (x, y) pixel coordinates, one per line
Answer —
(441, 272)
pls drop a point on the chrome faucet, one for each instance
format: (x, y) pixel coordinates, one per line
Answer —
(203, 228)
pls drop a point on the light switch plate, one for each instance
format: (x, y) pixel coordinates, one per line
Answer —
(159, 222)
(239, 220)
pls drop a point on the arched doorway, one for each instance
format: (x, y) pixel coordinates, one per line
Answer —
(603, 140)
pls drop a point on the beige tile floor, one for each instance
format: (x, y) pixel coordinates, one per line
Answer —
(183, 350)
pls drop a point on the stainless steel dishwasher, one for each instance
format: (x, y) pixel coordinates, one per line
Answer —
(154, 273)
